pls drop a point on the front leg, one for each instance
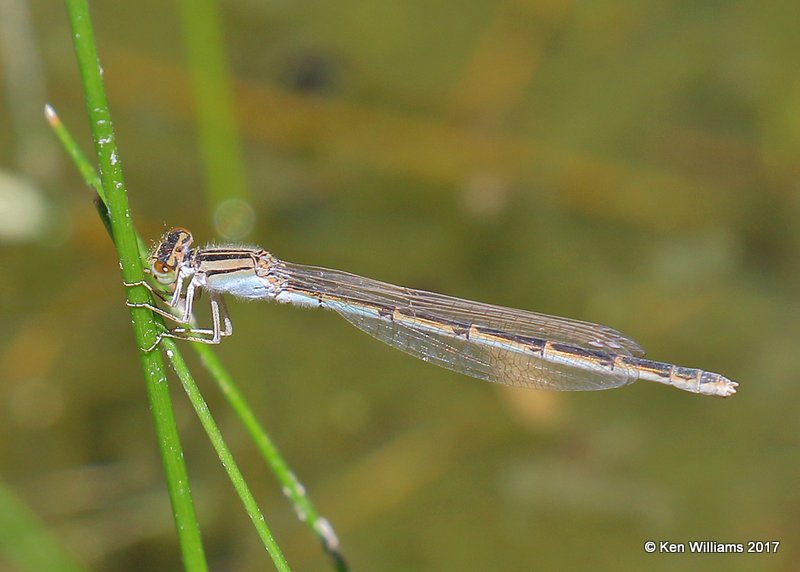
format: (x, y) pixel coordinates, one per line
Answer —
(151, 307)
(157, 310)
(160, 295)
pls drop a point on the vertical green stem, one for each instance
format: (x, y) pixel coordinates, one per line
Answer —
(216, 120)
(144, 326)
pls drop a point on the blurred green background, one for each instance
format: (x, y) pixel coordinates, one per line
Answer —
(629, 163)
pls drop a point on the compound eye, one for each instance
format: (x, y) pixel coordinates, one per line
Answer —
(163, 273)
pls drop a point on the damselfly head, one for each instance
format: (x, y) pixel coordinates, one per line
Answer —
(169, 254)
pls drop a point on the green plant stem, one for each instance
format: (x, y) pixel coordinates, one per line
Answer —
(78, 158)
(219, 138)
(269, 451)
(214, 435)
(144, 325)
(26, 543)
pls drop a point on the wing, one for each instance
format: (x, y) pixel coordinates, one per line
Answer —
(510, 366)
(464, 312)
(496, 344)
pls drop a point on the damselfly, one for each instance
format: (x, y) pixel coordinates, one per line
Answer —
(512, 347)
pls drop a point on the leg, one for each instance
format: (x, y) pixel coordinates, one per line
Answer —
(216, 331)
(221, 326)
(227, 325)
(188, 300)
(181, 334)
(176, 295)
(174, 302)
(146, 285)
(221, 322)
(157, 310)
(151, 307)
(193, 334)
